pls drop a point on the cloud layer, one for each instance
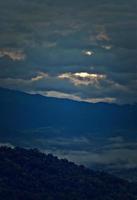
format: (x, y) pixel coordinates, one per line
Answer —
(46, 46)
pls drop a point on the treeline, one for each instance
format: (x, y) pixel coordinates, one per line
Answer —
(32, 175)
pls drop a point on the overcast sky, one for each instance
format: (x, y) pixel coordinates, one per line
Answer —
(84, 50)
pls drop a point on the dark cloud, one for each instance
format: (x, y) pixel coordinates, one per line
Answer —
(43, 37)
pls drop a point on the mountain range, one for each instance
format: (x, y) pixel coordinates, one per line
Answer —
(22, 111)
(98, 135)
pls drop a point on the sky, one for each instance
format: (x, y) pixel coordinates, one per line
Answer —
(85, 50)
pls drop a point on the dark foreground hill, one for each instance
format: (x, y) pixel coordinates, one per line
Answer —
(31, 175)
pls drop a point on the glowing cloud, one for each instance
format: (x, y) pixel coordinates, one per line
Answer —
(87, 75)
(88, 53)
(40, 76)
(102, 36)
(15, 55)
(107, 47)
(75, 97)
(82, 78)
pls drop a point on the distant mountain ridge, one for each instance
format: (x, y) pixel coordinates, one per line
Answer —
(31, 175)
(21, 111)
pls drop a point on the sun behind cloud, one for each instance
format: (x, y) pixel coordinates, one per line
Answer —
(83, 78)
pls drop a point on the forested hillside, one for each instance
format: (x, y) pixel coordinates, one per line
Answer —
(31, 175)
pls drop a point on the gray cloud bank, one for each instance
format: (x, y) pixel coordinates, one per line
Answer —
(40, 41)
(113, 153)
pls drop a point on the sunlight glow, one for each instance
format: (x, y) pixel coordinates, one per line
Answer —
(83, 78)
(88, 53)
